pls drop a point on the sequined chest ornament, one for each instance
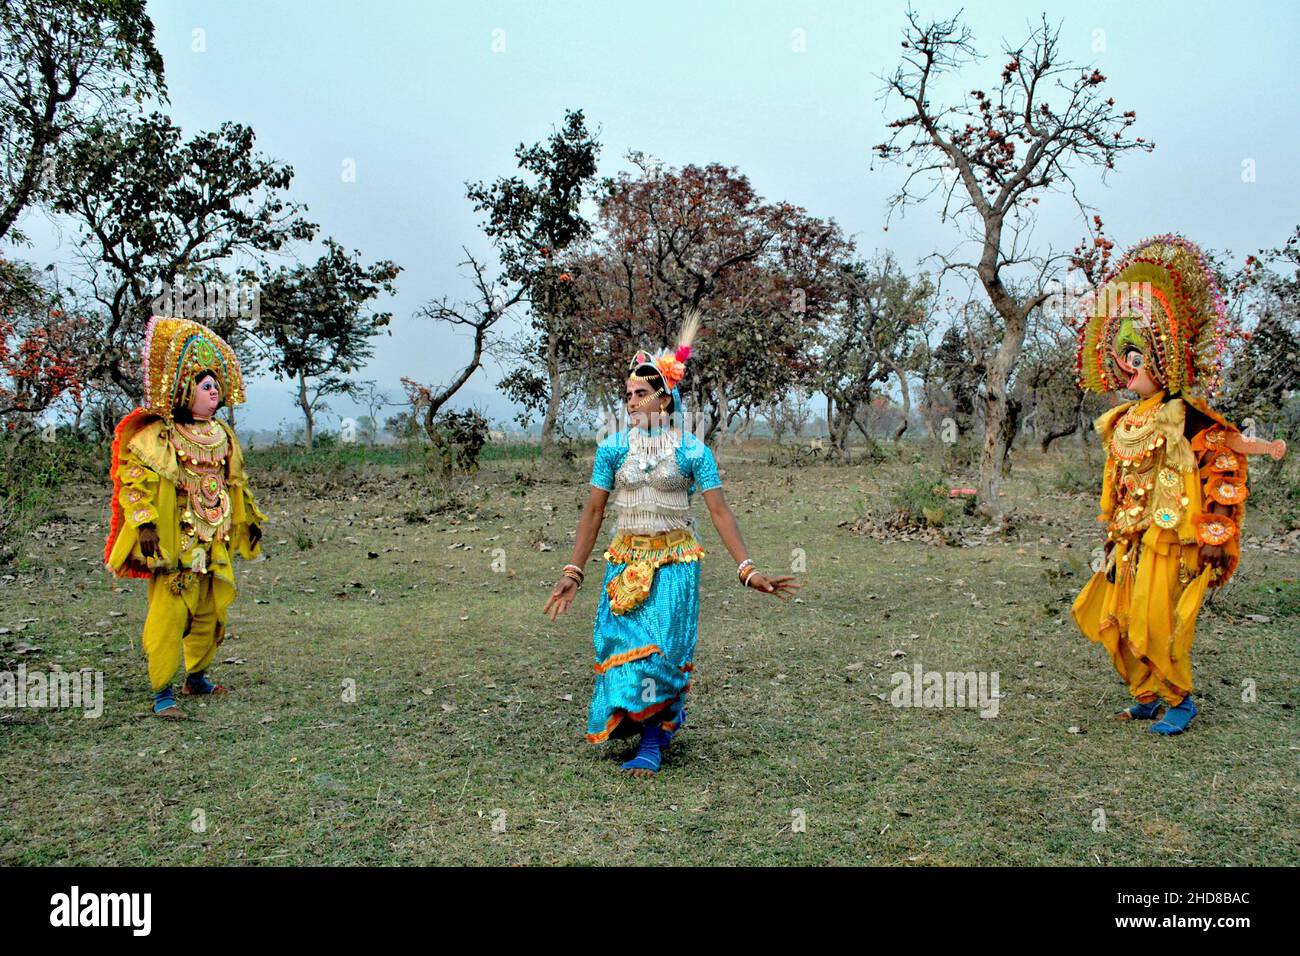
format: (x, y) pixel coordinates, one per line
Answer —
(202, 449)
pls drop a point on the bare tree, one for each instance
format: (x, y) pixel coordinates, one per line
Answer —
(990, 157)
(373, 399)
(489, 306)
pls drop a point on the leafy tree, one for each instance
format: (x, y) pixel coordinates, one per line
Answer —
(870, 339)
(764, 275)
(155, 210)
(43, 351)
(317, 326)
(62, 64)
(1263, 375)
(532, 224)
(958, 375)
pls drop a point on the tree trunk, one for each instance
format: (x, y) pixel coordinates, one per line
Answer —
(1012, 429)
(996, 399)
(305, 404)
(907, 403)
(996, 411)
(553, 402)
(42, 138)
(1075, 421)
(718, 420)
(838, 423)
(861, 426)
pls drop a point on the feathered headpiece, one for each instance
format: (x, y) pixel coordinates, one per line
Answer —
(670, 363)
(1161, 300)
(178, 350)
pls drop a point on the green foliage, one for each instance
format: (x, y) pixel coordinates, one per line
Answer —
(533, 219)
(961, 454)
(328, 457)
(317, 321)
(1288, 501)
(155, 207)
(872, 453)
(459, 438)
(513, 451)
(64, 61)
(922, 500)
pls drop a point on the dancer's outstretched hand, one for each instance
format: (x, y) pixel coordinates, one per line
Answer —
(561, 597)
(782, 587)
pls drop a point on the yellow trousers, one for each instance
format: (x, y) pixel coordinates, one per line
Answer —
(187, 611)
(1146, 618)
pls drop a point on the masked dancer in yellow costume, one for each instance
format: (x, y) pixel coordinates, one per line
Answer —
(646, 623)
(181, 503)
(1174, 489)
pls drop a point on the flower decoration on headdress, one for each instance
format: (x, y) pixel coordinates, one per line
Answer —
(670, 364)
(176, 351)
(1161, 309)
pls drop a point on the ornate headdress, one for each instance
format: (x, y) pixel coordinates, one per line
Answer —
(670, 363)
(178, 350)
(1161, 300)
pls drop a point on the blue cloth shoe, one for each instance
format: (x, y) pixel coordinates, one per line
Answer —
(1141, 711)
(164, 703)
(648, 754)
(677, 717)
(1176, 718)
(199, 684)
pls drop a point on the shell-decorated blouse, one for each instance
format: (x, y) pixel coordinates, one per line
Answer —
(652, 477)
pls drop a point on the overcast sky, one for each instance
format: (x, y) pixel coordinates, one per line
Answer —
(422, 97)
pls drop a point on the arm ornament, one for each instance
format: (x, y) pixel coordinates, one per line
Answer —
(1226, 489)
(1214, 529)
(1223, 473)
(138, 493)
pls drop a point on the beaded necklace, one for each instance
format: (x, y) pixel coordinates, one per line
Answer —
(650, 448)
(1132, 439)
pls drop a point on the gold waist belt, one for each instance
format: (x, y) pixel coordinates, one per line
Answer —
(643, 554)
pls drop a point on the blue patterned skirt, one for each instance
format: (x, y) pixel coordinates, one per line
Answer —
(644, 657)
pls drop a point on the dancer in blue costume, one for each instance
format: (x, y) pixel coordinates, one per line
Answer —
(645, 627)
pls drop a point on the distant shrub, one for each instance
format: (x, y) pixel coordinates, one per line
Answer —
(922, 501)
(458, 441)
(1076, 478)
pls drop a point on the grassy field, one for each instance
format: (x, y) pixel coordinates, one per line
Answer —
(464, 741)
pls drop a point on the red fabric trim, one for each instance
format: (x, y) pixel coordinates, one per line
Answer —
(616, 718)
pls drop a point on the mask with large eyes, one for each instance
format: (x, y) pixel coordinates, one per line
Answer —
(1132, 352)
(1132, 361)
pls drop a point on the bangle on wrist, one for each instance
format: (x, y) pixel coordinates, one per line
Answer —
(753, 571)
